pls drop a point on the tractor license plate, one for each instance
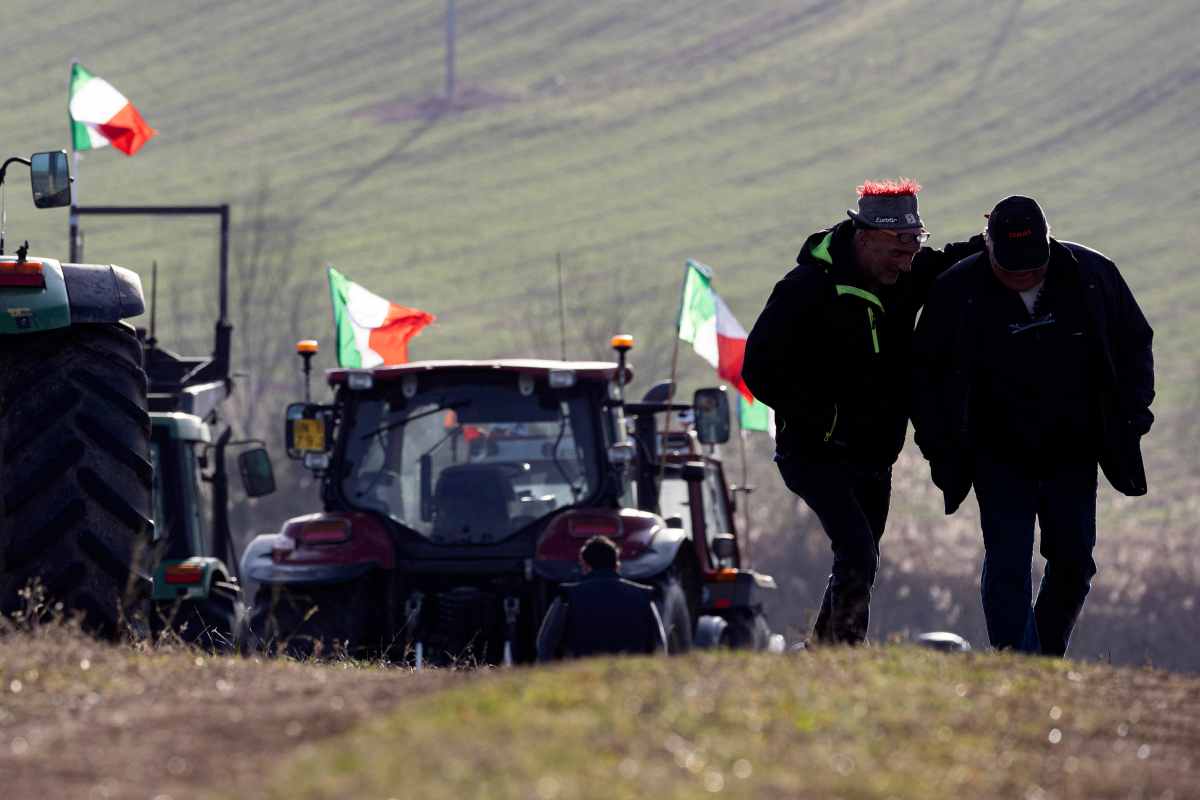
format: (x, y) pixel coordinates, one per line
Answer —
(309, 434)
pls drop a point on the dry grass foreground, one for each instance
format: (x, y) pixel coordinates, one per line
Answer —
(83, 719)
(889, 722)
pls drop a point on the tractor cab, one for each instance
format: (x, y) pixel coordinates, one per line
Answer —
(457, 496)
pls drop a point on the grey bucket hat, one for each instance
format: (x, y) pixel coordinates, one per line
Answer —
(893, 211)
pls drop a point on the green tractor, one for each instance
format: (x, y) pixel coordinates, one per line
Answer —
(196, 593)
(75, 470)
(102, 431)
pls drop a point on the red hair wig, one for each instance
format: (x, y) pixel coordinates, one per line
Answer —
(889, 187)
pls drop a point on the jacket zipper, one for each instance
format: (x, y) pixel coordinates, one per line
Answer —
(873, 301)
(832, 425)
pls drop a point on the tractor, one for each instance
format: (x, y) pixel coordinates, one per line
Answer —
(196, 592)
(104, 437)
(457, 494)
(75, 470)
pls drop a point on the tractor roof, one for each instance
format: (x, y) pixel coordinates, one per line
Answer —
(584, 370)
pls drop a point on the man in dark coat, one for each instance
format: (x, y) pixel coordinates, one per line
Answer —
(602, 613)
(830, 353)
(1033, 364)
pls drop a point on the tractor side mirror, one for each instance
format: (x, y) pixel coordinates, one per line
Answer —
(308, 428)
(257, 476)
(724, 547)
(711, 410)
(50, 178)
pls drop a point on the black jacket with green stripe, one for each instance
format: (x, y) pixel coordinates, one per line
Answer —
(833, 358)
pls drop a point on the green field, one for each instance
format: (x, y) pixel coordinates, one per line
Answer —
(626, 137)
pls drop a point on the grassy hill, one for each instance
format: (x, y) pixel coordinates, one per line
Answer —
(893, 723)
(627, 137)
(84, 719)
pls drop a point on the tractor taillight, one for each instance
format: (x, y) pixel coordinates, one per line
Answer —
(184, 574)
(585, 526)
(325, 531)
(726, 575)
(26, 274)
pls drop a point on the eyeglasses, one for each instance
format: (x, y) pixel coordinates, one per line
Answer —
(908, 237)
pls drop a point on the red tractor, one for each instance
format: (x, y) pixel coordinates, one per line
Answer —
(457, 495)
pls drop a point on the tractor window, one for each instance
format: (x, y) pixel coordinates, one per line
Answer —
(716, 505)
(160, 517)
(673, 500)
(180, 521)
(470, 461)
(203, 511)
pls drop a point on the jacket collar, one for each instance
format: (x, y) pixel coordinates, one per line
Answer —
(601, 575)
(832, 250)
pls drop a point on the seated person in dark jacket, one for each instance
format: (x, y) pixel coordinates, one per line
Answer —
(602, 613)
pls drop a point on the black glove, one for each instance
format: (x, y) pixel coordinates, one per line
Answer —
(1140, 422)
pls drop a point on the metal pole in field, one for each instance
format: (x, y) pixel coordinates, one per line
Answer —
(450, 21)
(744, 491)
(562, 311)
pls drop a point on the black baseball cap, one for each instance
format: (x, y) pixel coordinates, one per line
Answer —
(1019, 234)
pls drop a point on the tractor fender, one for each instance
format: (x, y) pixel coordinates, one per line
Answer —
(24, 310)
(350, 545)
(709, 630)
(258, 564)
(103, 292)
(212, 569)
(657, 557)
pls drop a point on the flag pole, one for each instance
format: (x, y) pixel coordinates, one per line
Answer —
(73, 215)
(662, 461)
(744, 490)
(562, 310)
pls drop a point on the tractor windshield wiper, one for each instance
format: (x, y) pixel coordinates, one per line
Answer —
(401, 422)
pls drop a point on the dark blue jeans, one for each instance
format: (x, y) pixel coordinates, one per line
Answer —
(852, 504)
(1063, 501)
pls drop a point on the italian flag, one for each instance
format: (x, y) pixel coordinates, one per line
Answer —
(371, 330)
(706, 322)
(100, 115)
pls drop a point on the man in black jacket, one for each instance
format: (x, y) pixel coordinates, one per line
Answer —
(1033, 364)
(830, 353)
(602, 613)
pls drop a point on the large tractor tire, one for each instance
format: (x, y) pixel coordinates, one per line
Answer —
(676, 619)
(747, 631)
(75, 475)
(215, 623)
(328, 621)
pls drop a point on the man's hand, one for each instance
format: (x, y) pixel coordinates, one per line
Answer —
(1140, 423)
